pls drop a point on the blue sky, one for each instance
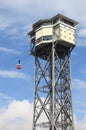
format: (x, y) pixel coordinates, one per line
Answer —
(16, 86)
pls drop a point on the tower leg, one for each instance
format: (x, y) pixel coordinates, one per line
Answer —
(52, 94)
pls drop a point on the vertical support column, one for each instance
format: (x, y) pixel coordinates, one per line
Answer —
(71, 98)
(53, 85)
(34, 107)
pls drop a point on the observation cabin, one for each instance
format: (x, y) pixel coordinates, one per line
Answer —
(58, 29)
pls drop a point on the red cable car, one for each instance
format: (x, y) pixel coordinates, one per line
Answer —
(18, 66)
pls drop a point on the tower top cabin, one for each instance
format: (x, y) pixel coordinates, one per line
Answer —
(56, 29)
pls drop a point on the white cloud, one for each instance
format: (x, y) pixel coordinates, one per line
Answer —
(10, 51)
(80, 124)
(82, 33)
(11, 4)
(5, 97)
(81, 42)
(4, 101)
(81, 103)
(79, 96)
(79, 83)
(33, 8)
(80, 106)
(25, 11)
(4, 22)
(15, 15)
(13, 74)
(18, 115)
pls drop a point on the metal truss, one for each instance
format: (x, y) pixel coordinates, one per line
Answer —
(52, 93)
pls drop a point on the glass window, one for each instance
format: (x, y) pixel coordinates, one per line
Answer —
(39, 40)
(45, 38)
(46, 23)
(67, 22)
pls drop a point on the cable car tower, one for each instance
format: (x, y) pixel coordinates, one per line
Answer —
(52, 41)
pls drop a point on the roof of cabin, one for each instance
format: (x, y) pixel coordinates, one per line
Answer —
(38, 23)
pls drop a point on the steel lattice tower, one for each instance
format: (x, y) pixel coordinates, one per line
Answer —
(52, 93)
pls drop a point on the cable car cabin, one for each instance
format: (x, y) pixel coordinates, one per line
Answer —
(18, 66)
(57, 29)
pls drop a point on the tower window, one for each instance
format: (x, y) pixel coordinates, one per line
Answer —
(45, 38)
